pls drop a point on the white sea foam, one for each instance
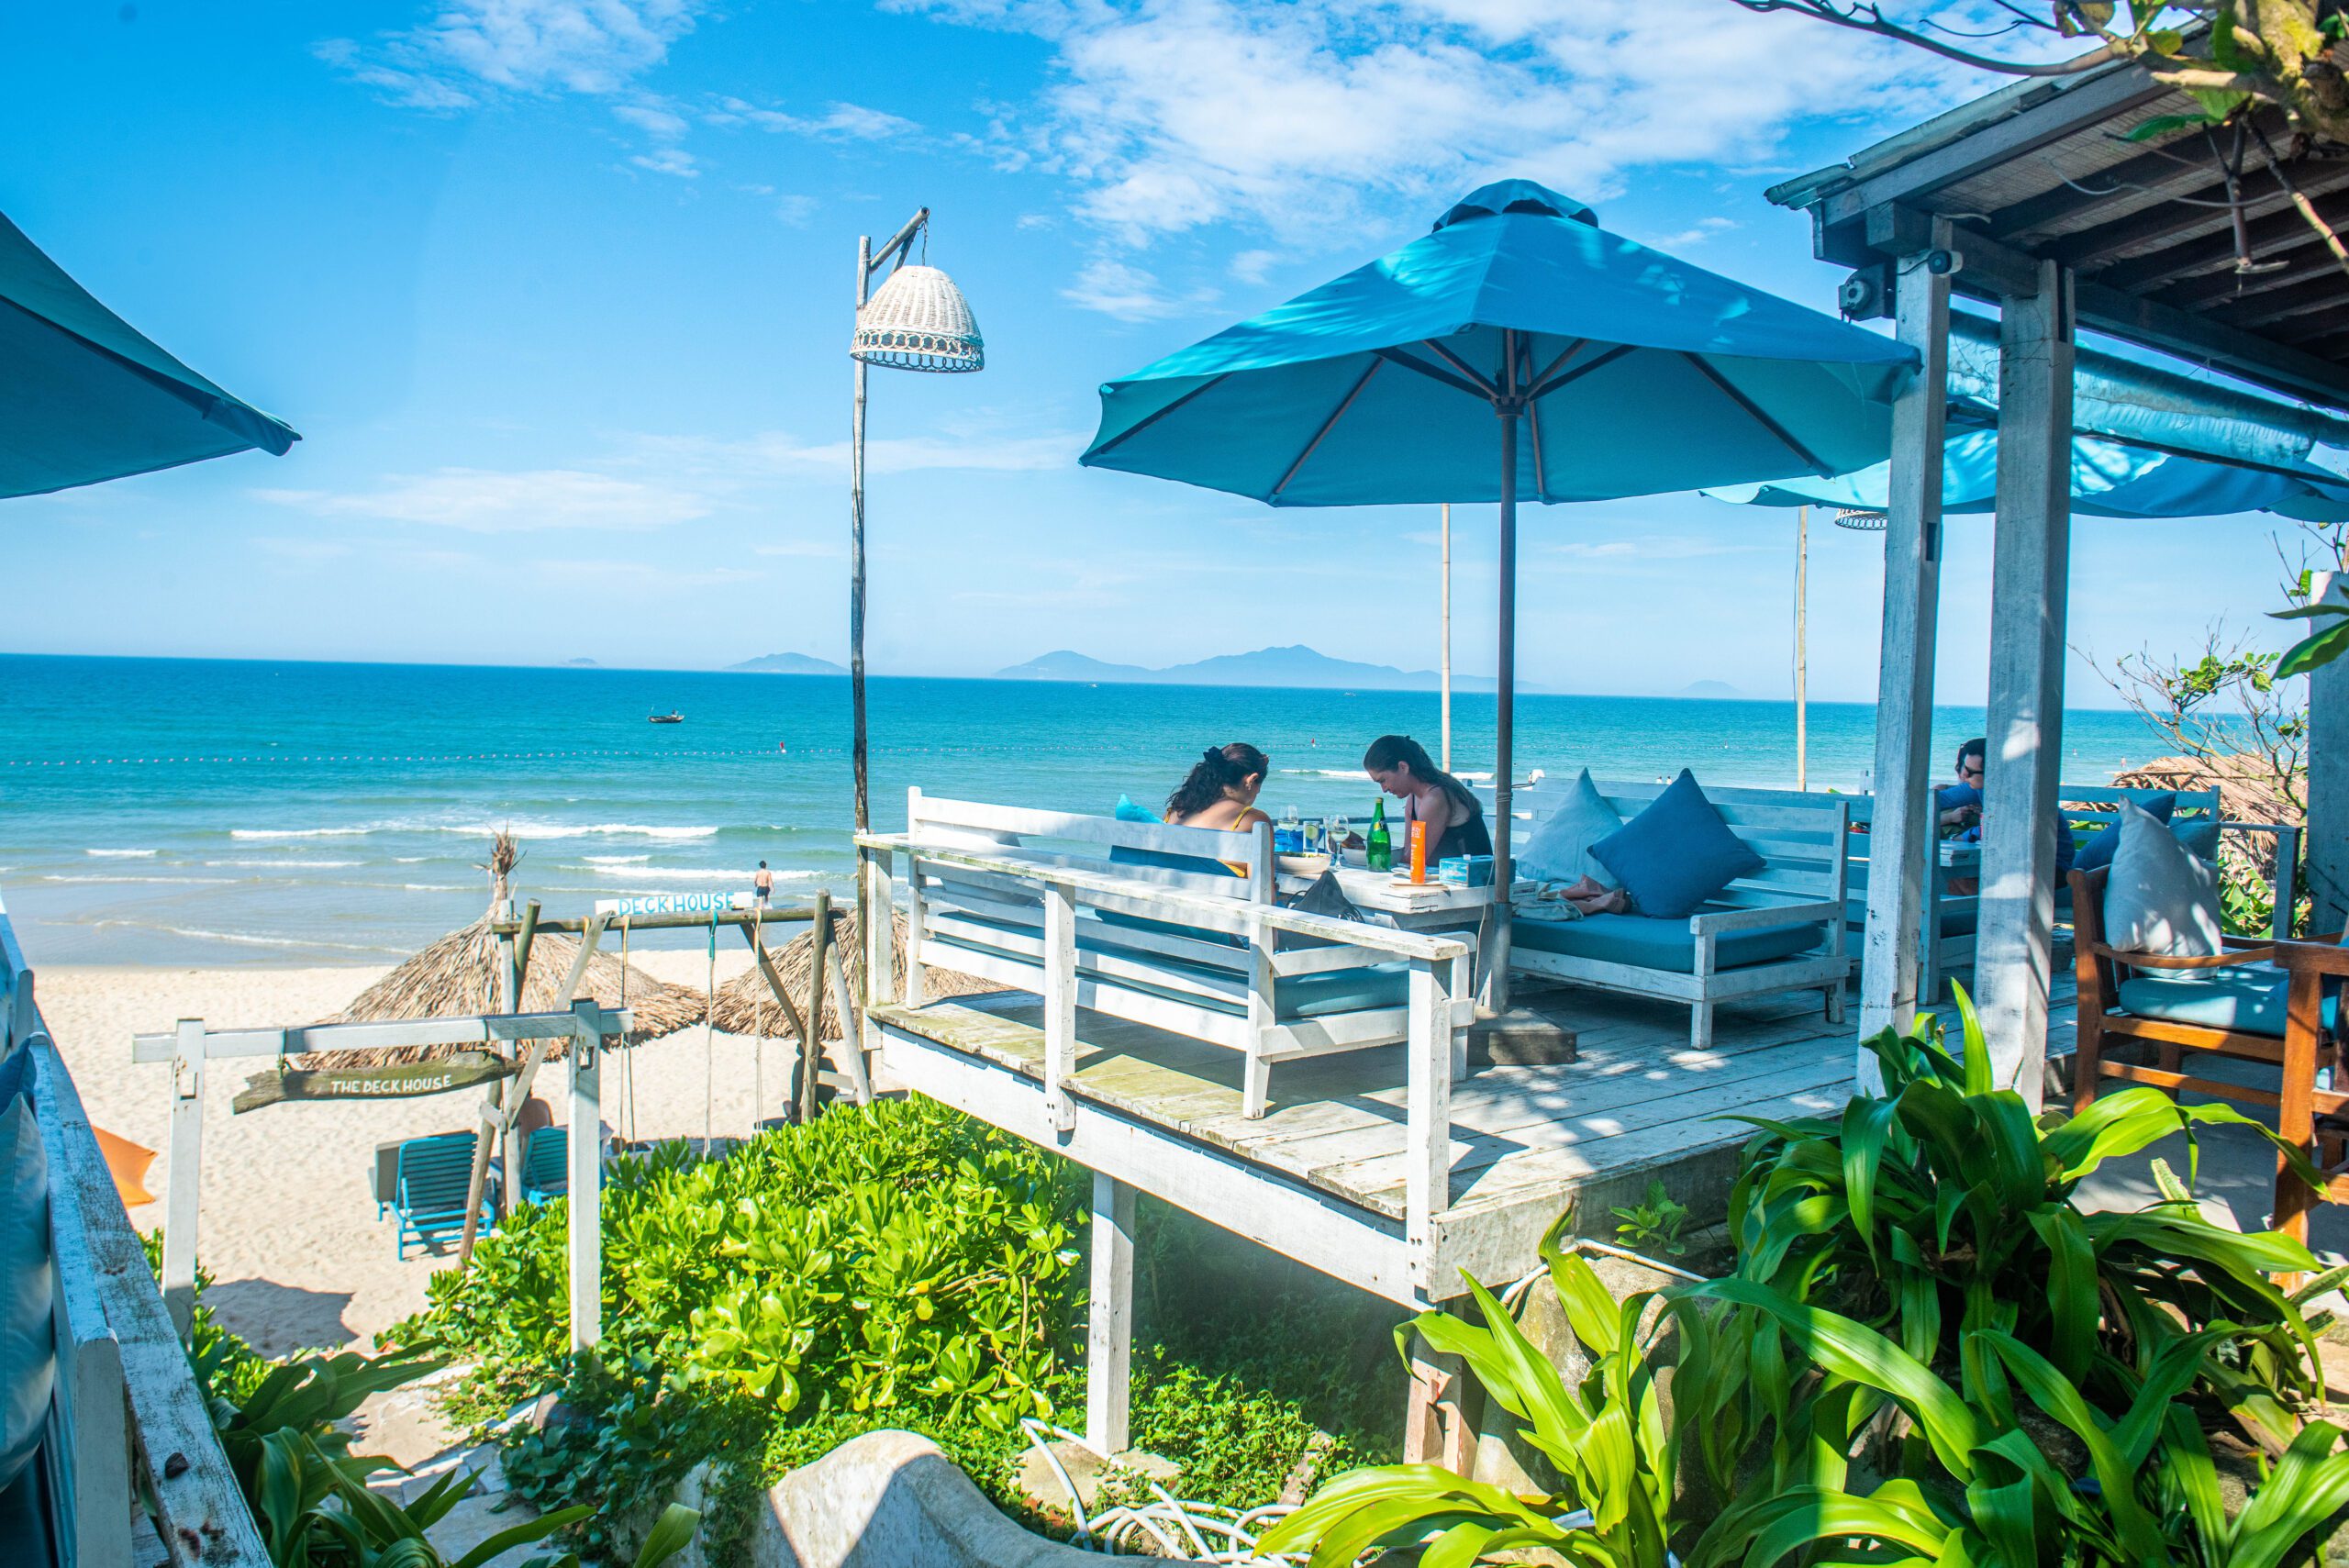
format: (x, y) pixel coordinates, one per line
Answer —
(299, 832)
(615, 860)
(122, 854)
(251, 939)
(287, 866)
(145, 881)
(661, 879)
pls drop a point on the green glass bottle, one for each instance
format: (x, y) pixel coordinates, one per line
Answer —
(1378, 848)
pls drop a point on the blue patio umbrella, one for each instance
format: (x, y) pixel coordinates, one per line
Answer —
(1518, 349)
(84, 397)
(2110, 478)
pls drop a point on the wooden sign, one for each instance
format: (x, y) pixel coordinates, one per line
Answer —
(399, 1082)
(673, 904)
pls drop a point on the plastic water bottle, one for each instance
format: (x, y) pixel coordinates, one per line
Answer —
(1289, 833)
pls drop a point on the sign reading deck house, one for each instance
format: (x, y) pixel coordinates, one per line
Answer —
(672, 904)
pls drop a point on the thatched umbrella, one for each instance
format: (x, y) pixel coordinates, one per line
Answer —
(457, 977)
(2249, 791)
(744, 1004)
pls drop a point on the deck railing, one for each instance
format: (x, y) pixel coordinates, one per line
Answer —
(126, 1416)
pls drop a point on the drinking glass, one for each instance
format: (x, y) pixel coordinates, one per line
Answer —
(1338, 830)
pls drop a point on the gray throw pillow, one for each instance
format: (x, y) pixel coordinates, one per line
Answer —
(1559, 849)
(2161, 898)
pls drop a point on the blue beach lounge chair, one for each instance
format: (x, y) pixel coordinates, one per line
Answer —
(546, 1164)
(429, 1194)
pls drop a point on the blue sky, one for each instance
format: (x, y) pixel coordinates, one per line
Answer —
(559, 291)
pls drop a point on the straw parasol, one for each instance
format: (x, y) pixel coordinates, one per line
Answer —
(2248, 792)
(744, 1004)
(457, 977)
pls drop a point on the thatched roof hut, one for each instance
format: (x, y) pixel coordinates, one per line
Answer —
(2248, 790)
(457, 977)
(744, 1004)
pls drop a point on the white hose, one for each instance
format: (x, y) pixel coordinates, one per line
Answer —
(1174, 1525)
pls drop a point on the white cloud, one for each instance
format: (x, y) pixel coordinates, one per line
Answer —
(1129, 293)
(527, 45)
(841, 122)
(1292, 119)
(1251, 266)
(487, 501)
(777, 452)
(796, 210)
(651, 117)
(1704, 228)
(669, 160)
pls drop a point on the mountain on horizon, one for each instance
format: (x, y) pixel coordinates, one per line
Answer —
(1296, 665)
(785, 665)
(1712, 689)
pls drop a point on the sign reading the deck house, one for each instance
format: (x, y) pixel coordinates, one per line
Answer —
(397, 1080)
(673, 904)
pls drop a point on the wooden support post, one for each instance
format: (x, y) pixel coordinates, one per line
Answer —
(812, 1054)
(184, 1194)
(1802, 648)
(493, 1105)
(534, 1054)
(1060, 1006)
(2287, 884)
(880, 967)
(1435, 1427)
(1427, 1125)
(1109, 1317)
(851, 1017)
(2031, 577)
(2327, 867)
(1903, 826)
(586, 1177)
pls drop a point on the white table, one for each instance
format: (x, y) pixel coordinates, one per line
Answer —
(1455, 911)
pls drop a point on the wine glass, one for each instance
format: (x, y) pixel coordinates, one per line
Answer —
(1338, 830)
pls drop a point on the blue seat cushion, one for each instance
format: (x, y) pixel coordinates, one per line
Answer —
(2248, 998)
(28, 1346)
(1676, 853)
(1127, 811)
(1122, 855)
(1648, 943)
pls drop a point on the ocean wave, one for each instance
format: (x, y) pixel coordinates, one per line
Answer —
(299, 832)
(122, 854)
(1321, 772)
(615, 860)
(249, 938)
(663, 879)
(526, 832)
(287, 866)
(145, 881)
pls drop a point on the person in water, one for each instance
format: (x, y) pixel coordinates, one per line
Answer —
(1220, 790)
(1401, 766)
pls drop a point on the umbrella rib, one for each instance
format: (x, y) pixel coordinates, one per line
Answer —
(1550, 384)
(1568, 352)
(1428, 371)
(1147, 421)
(1463, 366)
(1330, 423)
(1784, 436)
(1533, 432)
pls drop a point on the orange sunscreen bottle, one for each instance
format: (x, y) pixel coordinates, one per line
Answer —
(1419, 852)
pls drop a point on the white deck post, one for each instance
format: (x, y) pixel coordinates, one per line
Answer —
(1427, 1128)
(1109, 1317)
(1903, 826)
(2327, 875)
(1060, 1005)
(2031, 577)
(586, 1177)
(880, 976)
(185, 1192)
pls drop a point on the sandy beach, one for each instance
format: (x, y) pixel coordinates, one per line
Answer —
(288, 1228)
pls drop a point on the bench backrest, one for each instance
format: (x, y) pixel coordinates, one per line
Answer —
(1799, 837)
(1137, 851)
(436, 1173)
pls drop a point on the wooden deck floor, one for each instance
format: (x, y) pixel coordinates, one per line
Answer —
(1637, 1103)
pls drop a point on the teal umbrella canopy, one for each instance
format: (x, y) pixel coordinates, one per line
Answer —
(2110, 478)
(1631, 373)
(84, 397)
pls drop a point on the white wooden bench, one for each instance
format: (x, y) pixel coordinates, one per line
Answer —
(1146, 922)
(1780, 929)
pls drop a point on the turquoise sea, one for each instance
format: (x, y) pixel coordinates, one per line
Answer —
(204, 812)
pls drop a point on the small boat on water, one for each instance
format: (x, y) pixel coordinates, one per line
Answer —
(672, 716)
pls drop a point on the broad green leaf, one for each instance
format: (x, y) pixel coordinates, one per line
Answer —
(2055, 1393)
(671, 1533)
(506, 1540)
(2315, 651)
(2072, 1301)
(1867, 1123)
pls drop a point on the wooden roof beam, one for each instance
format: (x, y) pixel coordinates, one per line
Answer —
(2200, 212)
(2156, 174)
(2270, 235)
(2222, 290)
(2201, 340)
(2317, 282)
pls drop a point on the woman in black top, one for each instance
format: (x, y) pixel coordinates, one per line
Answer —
(1400, 766)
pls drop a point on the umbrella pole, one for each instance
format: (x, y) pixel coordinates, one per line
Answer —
(1504, 735)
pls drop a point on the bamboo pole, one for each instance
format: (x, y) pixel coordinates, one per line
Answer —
(819, 943)
(856, 548)
(1447, 637)
(1802, 630)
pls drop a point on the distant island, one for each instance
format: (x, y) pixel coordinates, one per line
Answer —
(579, 665)
(1293, 666)
(1713, 689)
(785, 665)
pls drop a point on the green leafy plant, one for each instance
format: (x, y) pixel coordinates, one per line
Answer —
(1654, 1225)
(1942, 1207)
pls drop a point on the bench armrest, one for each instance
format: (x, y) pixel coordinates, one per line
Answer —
(1712, 921)
(2228, 959)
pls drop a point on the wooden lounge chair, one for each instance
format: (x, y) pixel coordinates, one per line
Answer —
(430, 1195)
(546, 1165)
(2258, 1001)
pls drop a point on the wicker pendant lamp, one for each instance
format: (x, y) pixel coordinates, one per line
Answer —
(917, 320)
(1861, 520)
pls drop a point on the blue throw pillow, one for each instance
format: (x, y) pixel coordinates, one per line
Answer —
(1129, 812)
(27, 1348)
(16, 1076)
(2200, 835)
(1677, 853)
(2096, 851)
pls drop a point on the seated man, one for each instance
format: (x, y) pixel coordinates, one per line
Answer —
(1959, 807)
